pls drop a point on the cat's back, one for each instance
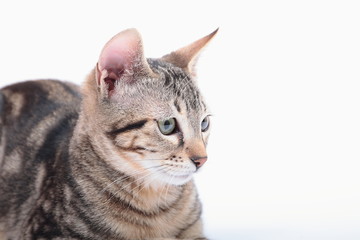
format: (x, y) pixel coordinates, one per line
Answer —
(37, 119)
(31, 102)
(30, 110)
(36, 99)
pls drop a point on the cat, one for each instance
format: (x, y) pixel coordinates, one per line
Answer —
(111, 160)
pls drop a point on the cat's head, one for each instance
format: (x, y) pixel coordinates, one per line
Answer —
(148, 117)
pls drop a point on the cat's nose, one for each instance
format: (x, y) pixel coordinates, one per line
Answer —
(197, 152)
(198, 161)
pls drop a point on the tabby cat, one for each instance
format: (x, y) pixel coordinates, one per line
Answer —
(113, 161)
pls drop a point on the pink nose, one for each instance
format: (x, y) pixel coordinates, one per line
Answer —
(198, 161)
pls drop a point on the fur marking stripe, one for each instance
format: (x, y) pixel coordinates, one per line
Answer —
(129, 127)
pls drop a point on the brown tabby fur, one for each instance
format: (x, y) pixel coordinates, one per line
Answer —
(94, 165)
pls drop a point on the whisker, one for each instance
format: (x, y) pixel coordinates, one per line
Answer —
(168, 186)
(164, 187)
(154, 159)
(135, 180)
(162, 190)
(136, 193)
(122, 178)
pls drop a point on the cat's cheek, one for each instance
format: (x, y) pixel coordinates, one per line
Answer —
(126, 160)
(169, 141)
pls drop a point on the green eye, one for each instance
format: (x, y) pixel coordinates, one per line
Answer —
(167, 126)
(205, 124)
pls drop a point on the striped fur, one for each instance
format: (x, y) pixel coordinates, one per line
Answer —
(77, 166)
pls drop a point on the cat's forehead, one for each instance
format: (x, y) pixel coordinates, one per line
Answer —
(178, 86)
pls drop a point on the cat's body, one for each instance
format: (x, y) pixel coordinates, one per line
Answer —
(48, 200)
(91, 165)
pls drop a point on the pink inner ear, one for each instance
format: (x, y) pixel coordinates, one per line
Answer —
(120, 55)
(120, 52)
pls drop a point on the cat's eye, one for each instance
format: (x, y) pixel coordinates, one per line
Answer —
(167, 126)
(205, 123)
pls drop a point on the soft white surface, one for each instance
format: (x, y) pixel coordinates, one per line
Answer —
(282, 79)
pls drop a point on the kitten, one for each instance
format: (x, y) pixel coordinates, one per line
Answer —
(112, 162)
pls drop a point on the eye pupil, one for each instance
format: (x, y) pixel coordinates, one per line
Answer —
(167, 125)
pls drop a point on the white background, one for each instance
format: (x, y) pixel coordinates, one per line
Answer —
(282, 80)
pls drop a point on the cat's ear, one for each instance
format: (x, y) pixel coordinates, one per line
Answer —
(186, 57)
(121, 59)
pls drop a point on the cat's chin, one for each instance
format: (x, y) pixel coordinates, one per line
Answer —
(180, 180)
(176, 180)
